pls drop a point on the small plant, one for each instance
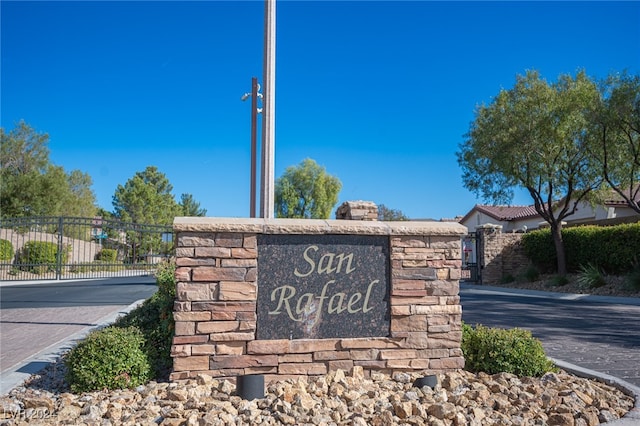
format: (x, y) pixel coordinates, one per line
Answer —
(111, 358)
(107, 255)
(507, 279)
(590, 276)
(559, 281)
(166, 278)
(6, 251)
(531, 274)
(495, 350)
(632, 280)
(155, 319)
(80, 268)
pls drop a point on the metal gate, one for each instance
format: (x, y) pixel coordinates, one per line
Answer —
(471, 272)
(38, 248)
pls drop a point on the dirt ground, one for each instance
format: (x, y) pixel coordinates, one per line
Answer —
(616, 286)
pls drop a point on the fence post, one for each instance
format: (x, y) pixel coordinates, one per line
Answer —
(60, 248)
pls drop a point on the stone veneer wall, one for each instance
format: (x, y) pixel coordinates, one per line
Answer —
(357, 210)
(216, 304)
(501, 255)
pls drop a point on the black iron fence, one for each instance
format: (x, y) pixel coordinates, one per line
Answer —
(77, 247)
(471, 271)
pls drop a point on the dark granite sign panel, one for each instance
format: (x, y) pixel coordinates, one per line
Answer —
(322, 286)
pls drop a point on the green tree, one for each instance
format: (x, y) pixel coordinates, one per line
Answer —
(535, 136)
(618, 130)
(32, 186)
(146, 198)
(387, 214)
(190, 207)
(306, 191)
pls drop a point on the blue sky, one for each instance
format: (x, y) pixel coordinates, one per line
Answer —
(379, 93)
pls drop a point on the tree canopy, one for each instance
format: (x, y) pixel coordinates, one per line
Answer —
(190, 207)
(306, 191)
(32, 186)
(146, 198)
(536, 136)
(617, 147)
(387, 214)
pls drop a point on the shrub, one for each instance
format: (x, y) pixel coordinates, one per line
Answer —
(166, 278)
(531, 274)
(495, 350)
(538, 246)
(632, 280)
(155, 319)
(108, 255)
(6, 250)
(42, 256)
(590, 276)
(559, 281)
(506, 279)
(111, 358)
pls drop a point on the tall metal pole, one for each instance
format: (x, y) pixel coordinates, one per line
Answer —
(267, 193)
(254, 149)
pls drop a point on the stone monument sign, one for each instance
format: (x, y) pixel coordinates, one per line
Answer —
(323, 286)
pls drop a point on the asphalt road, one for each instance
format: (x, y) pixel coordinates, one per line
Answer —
(597, 333)
(38, 319)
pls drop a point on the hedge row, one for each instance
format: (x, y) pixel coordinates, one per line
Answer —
(615, 249)
(6, 250)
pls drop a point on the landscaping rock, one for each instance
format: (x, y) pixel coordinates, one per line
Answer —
(460, 398)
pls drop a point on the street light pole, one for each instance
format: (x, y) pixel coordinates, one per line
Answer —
(267, 192)
(255, 87)
(254, 148)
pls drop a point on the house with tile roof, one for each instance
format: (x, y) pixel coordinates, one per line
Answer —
(523, 218)
(510, 218)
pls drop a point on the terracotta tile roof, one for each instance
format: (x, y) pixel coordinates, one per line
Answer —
(503, 213)
(508, 212)
(614, 199)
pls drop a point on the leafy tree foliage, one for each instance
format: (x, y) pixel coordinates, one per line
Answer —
(387, 214)
(306, 191)
(32, 186)
(536, 136)
(146, 198)
(618, 136)
(190, 207)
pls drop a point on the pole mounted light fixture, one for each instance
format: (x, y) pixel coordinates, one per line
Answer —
(254, 95)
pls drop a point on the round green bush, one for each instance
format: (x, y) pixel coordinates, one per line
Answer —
(111, 358)
(495, 350)
(108, 255)
(6, 250)
(42, 256)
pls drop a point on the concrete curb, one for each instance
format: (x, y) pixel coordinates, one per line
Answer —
(635, 301)
(21, 372)
(633, 416)
(142, 277)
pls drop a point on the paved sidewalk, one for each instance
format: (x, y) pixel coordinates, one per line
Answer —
(16, 368)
